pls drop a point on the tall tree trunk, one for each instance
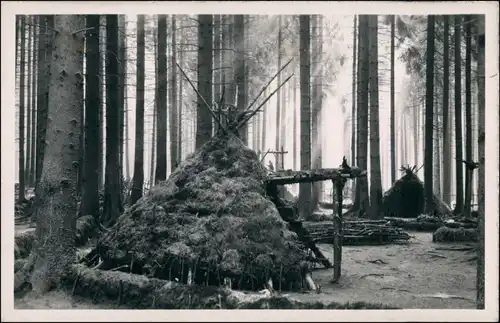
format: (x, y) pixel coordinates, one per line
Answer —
(138, 180)
(353, 98)
(126, 123)
(239, 75)
(459, 195)
(481, 156)
(217, 58)
(228, 59)
(29, 76)
(468, 116)
(22, 108)
(294, 123)
(40, 104)
(361, 201)
(181, 102)
(375, 173)
(102, 109)
(34, 95)
(393, 106)
(305, 206)
(429, 117)
(121, 90)
(112, 189)
(203, 116)
(161, 127)
(90, 198)
(316, 107)
(446, 163)
(174, 130)
(55, 248)
(264, 126)
(153, 145)
(277, 144)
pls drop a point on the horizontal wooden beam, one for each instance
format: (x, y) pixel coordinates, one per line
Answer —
(284, 177)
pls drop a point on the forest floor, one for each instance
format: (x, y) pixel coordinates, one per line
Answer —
(418, 275)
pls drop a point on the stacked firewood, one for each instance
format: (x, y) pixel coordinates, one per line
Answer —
(366, 232)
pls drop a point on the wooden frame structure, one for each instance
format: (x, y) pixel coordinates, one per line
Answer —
(339, 177)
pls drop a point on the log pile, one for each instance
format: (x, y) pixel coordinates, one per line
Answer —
(368, 232)
(425, 223)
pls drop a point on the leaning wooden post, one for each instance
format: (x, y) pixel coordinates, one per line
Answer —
(337, 227)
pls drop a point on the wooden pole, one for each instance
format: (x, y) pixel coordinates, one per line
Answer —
(338, 234)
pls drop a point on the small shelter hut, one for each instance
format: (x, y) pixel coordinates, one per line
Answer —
(405, 199)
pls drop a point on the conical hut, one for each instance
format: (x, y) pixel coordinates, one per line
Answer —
(405, 199)
(210, 222)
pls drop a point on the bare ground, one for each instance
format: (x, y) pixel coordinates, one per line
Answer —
(418, 275)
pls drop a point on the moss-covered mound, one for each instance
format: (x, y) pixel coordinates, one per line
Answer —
(405, 199)
(447, 234)
(212, 216)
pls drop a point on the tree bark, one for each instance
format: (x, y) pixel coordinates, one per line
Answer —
(375, 173)
(55, 244)
(138, 180)
(239, 76)
(277, 144)
(429, 118)
(112, 189)
(459, 195)
(294, 123)
(34, 95)
(22, 108)
(353, 98)
(481, 154)
(446, 163)
(393, 105)
(361, 201)
(29, 77)
(305, 206)
(181, 102)
(315, 109)
(102, 109)
(161, 126)
(468, 116)
(90, 198)
(203, 116)
(174, 158)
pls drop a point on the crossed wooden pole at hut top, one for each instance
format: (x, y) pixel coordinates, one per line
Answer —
(233, 122)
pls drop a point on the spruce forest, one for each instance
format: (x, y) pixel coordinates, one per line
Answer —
(247, 161)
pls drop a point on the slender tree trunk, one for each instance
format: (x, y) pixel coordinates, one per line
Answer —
(90, 198)
(393, 105)
(181, 95)
(446, 164)
(264, 125)
(459, 195)
(121, 90)
(316, 106)
(375, 173)
(102, 110)
(40, 105)
(481, 154)
(239, 76)
(138, 180)
(153, 146)
(29, 109)
(126, 123)
(294, 123)
(277, 144)
(203, 116)
(468, 116)
(161, 127)
(174, 130)
(361, 201)
(305, 206)
(22, 108)
(353, 110)
(54, 249)
(34, 96)
(112, 189)
(429, 117)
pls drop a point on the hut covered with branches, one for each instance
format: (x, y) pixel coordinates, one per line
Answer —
(405, 199)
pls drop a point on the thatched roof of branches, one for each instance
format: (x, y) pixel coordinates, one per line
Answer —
(212, 215)
(405, 199)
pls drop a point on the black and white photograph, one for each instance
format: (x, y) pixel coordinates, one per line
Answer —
(205, 157)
